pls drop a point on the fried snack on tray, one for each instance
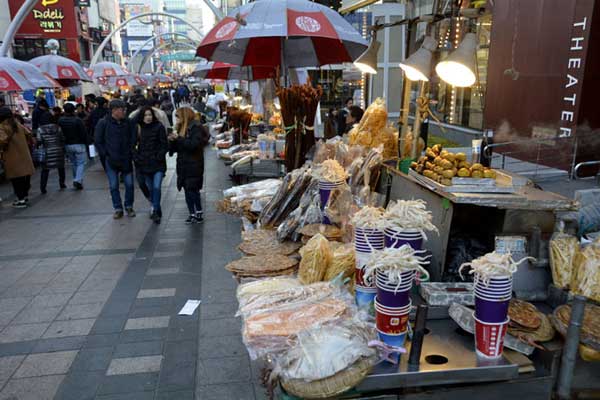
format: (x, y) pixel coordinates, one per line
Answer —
(523, 313)
(590, 328)
(316, 257)
(254, 248)
(263, 264)
(259, 235)
(329, 231)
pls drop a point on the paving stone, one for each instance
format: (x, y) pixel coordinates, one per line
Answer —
(8, 365)
(145, 293)
(90, 297)
(138, 349)
(154, 302)
(162, 271)
(21, 333)
(77, 327)
(129, 396)
(17, 348)
(157, 311)
(147, 323)
(108, 325)
(176, 376)
(221, 327)
(79, 385)
(46, 364)
(50, 300)
(134, 365)
(218, 310)
(237, 391)
(180, 329)
(94, 359)
(14, 304)
(221, 346)
(116, 307)
(93, 341)
(59, 344)
(23, 290)
(142, 335)
(80, 311)
(223, 370)
(116, 384)
(37, 388)
(36, 314)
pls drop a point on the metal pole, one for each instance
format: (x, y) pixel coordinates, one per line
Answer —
(573, 176)
(569, 355)
(417, 124)
(118, 28)
(15, 24)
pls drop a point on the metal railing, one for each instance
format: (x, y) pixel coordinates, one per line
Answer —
(585, 164)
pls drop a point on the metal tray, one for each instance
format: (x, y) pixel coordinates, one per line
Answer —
(473, 188)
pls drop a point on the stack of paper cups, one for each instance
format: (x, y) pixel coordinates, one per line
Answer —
(492, 299)
(366, 240)
(392, 294)
(392, 323)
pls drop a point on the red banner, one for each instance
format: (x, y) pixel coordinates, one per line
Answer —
(49, 18)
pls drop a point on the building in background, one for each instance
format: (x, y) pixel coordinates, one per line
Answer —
(137, 32)
(110, 18)
(178, 8)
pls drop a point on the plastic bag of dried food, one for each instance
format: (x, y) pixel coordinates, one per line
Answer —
(263, 287)
(325, 350)
(267, 184)
(343, 262)
(316, 257)
(338, 206)
(586, 272)
(312, 215)
(563, 249)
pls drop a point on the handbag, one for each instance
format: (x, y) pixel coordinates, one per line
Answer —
(39, 155)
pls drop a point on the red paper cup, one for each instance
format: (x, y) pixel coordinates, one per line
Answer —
(391, 324)
(489, 337)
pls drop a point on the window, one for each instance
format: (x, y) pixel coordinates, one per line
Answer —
(26, 49)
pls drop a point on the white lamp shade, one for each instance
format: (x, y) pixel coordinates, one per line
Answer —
(418, 66)
(459, 68)
(367, 62)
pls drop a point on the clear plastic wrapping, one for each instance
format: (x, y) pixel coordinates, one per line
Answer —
(563, 249)
(316, 257)
(324, 350)
(242, 190)
(586, 272)
(339, 204)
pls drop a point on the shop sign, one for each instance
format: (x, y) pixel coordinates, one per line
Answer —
(82, 3)
(574, 77)
(51, 18)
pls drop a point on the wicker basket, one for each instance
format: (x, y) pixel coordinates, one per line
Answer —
(333, 385)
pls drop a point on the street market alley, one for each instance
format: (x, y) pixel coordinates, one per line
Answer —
(89, 305)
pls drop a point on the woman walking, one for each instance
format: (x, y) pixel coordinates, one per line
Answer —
(15, 154)
(52, 141)
(149, 157)
(188, 141)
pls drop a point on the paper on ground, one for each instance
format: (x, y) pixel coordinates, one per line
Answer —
(189, 307)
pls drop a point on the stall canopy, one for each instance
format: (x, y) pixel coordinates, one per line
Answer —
(106, 69)
(125, 80)
(12, 80)
(224, 71)
(287, 33)
(59, 67)
(28, 71)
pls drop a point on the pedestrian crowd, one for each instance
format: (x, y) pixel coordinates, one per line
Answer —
(131, 136)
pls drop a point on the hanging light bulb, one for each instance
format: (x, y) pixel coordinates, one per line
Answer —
(458, 69)
(367, 62)
(418, 66)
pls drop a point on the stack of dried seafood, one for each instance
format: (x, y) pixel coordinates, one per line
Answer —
(528, 324)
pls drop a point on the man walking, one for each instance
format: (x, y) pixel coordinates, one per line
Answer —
(115, 138)
(75, 142)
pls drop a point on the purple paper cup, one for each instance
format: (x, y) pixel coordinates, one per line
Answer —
(395, 242)
(391, 299)
(491, 311)
(493, 293)
(364, 296)
(494, 298)
(366, 249)
(400, 310)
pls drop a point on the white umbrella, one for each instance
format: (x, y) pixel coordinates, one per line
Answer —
(29, 71)
(59, 67)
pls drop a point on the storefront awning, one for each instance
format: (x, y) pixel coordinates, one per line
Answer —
(353, 5)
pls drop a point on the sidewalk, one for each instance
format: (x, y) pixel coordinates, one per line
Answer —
(88, 305)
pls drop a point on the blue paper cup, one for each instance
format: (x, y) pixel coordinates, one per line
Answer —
(491, 311)
(364, 296)
(393, 340)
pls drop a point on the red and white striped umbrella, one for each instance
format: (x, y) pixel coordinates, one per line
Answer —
(106, 68)
(59, 67)
(124, 80)
(224, 71)
(297, 33)
(30, 72)
(12, 80)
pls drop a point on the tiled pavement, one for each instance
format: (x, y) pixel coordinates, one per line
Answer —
(88, 305)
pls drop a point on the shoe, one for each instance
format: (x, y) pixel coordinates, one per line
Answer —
(118, 214)
(151, 215)
(130, 212)
(63, 186)
(156, 218)
(77, 186)
(199, 217)
(19, 204)
(190, 220)
(43, 191)
(26, 200)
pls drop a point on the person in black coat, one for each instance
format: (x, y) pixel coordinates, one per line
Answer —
(188, 141)
(99, 112)
(149, 158)
(51, 139)
(115, 138)
(76, 139)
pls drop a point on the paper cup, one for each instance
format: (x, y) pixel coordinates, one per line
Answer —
(396, 239)
(364, 296)
(391, 324)
(393, 310)
(489, 337)
(390, 299)
(359, 278)
(393, 340)
(492, 311)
